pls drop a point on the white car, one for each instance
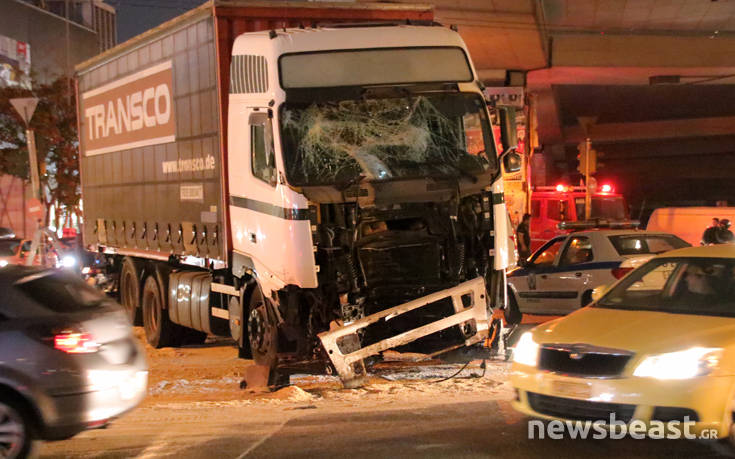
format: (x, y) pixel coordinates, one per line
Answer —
(559, 277)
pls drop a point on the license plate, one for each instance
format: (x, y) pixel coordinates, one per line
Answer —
(571, 389)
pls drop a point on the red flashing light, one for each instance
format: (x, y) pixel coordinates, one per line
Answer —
(606, 188)
(561, 188)
(75, 343)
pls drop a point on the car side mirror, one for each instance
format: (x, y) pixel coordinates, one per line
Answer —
(512, 161)
(600, 291)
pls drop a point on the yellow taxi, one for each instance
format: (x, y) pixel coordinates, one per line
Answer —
(658, 345)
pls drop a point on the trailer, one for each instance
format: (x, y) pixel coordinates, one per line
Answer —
(252, 171)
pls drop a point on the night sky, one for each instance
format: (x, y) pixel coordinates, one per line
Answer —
(137, 16)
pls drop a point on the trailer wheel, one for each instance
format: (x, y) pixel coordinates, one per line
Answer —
(130, 290)
(159, 330)
(262, 333)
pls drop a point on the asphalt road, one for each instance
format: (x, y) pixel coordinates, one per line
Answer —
(354, 429)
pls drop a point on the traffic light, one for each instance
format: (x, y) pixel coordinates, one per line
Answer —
(585, 156)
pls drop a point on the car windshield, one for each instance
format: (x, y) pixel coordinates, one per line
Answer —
(702, 286)
(60, 291)
(641, 244)
(8, 247)
(338, 143)
(610, 207)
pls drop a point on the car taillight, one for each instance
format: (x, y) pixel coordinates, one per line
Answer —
(620, 272)
(75, 343)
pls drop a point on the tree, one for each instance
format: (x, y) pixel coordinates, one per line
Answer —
(55, 125)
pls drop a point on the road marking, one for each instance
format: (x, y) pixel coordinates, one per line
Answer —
(262, 440)
(155, 449)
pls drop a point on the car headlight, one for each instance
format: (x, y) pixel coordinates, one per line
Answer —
(697, 361)
(68, 261)
(3, 263)
(526, 350)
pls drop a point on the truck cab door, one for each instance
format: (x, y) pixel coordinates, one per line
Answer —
(270, 223)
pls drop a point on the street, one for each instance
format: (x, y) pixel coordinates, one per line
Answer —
(195, 409)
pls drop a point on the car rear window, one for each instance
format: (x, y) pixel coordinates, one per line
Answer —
(638, 244)
(59, 291)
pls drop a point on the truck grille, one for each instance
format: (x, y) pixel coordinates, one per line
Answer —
(393, 258)
(583, 360)
(580, 410)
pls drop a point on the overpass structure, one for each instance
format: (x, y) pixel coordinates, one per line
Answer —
(658, 77)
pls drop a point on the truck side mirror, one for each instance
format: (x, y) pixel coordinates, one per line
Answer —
(512, 160)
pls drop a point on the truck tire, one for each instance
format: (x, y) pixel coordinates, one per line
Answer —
(159, 330)
(262, 333)
(18, 436)
(130, 290)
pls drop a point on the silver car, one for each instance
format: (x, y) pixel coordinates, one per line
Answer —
(68, 359)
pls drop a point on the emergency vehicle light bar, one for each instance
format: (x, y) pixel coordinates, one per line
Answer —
(604, 189)
(598, 223)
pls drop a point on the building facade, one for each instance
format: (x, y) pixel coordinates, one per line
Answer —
(44, 39)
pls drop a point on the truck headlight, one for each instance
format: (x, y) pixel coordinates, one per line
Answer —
(526, 350)
(3, 263)
(697, 361)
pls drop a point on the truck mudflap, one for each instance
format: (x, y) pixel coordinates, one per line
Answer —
(470, 303)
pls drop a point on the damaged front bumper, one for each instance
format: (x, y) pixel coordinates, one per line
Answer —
(470, 304)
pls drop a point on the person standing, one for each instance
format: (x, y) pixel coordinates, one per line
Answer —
(723, 234)
(523, 238)
(709, 235)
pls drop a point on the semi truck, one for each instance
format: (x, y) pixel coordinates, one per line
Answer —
(318, 192)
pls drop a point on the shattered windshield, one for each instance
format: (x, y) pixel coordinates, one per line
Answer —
(342, 142)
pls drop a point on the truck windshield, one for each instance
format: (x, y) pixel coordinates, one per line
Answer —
(337, 143)
(610, 207)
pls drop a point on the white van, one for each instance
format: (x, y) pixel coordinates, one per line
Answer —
(687, 222)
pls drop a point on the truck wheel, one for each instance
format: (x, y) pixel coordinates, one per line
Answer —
(17, 435)
(130, 290)
(262, 334)
(159, 330)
